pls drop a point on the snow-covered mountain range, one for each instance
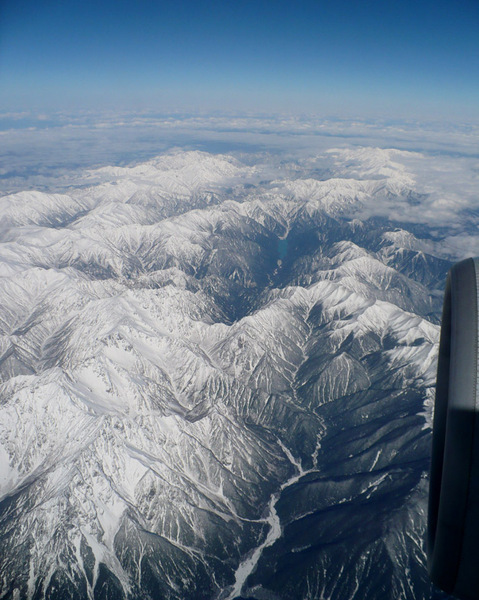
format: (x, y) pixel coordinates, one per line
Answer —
(216, 379)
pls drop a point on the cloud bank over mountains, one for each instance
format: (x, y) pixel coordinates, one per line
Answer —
(36, 147)
(438, 163)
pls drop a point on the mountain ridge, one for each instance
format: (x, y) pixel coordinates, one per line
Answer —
(161, 380)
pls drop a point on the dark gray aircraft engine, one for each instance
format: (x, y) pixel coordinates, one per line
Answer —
(453, 521)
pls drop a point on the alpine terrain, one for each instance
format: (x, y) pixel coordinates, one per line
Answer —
(216, 378)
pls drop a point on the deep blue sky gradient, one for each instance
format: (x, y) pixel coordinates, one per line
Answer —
(344, 57)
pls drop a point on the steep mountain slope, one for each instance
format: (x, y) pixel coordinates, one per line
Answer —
(215, 382)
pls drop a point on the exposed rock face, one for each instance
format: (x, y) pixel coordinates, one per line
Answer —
(193, 359)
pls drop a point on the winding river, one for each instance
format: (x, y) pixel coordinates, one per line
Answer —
(249, 564)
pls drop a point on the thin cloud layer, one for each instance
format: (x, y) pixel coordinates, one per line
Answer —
(406, 172)
(36, 147)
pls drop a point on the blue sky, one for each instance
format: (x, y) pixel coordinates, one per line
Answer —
(336, 57)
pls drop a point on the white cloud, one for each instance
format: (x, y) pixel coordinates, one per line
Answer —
(436, 190)
(417, 173)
